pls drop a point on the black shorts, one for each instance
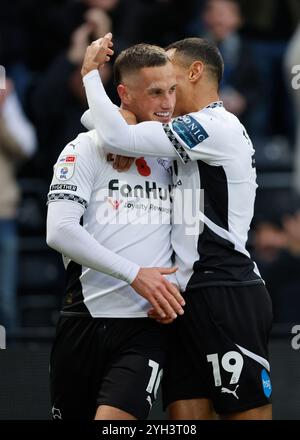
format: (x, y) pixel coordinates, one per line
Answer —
(110, 361)
(219, 349)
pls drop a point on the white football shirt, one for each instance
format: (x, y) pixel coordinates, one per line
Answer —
(214, 178)
(128, 213)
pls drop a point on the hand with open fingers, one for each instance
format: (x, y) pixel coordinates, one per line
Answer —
(164, 297)
(97, 54)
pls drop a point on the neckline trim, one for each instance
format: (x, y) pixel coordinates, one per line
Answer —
(215, 104)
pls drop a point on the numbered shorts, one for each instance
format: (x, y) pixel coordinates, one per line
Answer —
(219, 349)
(105, 361)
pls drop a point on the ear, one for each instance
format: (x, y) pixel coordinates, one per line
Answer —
(196, 71)
(124, 94)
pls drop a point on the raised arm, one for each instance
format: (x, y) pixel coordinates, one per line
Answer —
(146, 138)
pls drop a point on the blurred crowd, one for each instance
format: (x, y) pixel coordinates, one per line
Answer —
(42, 45)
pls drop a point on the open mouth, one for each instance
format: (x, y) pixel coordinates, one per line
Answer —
(163, 116)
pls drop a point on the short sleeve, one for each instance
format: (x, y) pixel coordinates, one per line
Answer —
(196, 136)
(75, 172)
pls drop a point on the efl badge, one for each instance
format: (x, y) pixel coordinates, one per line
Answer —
(65, 167)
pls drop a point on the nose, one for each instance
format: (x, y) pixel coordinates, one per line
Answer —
(167, 102)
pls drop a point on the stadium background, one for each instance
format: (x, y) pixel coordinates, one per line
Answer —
(41, 47)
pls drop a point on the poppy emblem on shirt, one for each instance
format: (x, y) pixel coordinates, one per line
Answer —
(142, 167)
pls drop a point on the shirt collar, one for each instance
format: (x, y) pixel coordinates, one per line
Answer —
(215, 104)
